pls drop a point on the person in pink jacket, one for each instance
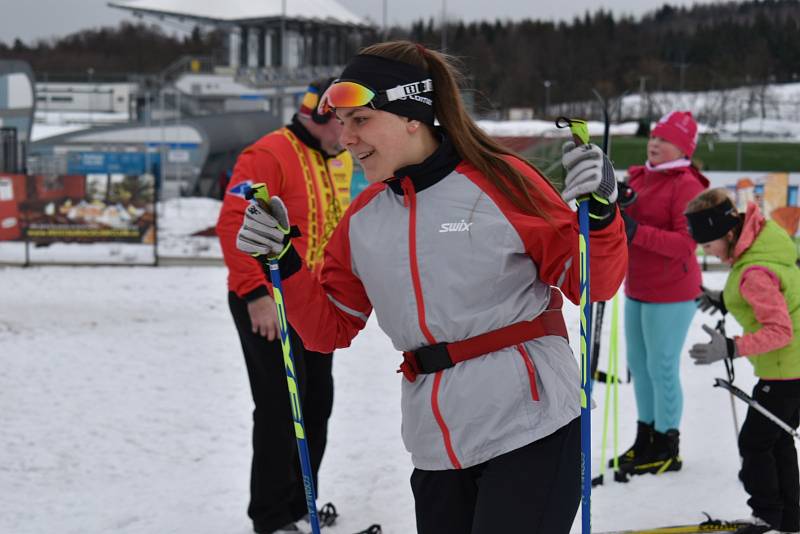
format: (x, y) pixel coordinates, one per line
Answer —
(663, 279)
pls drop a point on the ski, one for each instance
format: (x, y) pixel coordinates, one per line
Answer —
(328, 515)
(729, 528)
(709, 525)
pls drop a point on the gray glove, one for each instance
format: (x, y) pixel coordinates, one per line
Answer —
(265, 230)
(711, 299)
(588, 172)
(719, 348)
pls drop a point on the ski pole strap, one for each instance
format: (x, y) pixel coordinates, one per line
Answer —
(433, 358)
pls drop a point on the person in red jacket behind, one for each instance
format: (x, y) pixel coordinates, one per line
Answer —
(662, 282)
(463, 249)
(305, 165)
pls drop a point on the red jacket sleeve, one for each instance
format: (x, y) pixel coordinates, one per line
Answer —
(552, 241)
(245, 274)
(762, 290)
(328, 313)
(677, 242)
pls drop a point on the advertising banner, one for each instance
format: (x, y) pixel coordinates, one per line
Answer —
(77, 208)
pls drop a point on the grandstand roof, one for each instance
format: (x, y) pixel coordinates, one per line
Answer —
(324, 11)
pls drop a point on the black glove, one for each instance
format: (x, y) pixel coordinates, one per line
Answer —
(711, 299)
(630, 226)
(627, 195)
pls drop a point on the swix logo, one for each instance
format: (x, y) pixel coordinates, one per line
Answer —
(461, 226)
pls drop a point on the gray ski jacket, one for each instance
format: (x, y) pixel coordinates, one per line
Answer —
(441, 255)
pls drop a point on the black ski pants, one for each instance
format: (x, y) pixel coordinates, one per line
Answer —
(769, 459)
(277, 494)
(534, 489)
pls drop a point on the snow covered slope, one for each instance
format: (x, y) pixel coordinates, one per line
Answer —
(125, 408)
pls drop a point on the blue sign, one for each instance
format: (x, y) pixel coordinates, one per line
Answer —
(129, 163)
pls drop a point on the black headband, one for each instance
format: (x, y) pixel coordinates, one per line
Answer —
(713, 223)
(380, 74)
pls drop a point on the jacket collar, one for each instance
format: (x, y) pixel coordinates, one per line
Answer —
(305, 137)
(681, 163)
(429, 172)
(753, 224)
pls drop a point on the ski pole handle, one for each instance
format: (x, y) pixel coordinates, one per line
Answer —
(578, 127)
(258, 194)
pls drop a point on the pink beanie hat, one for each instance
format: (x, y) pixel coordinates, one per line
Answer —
(680, 129)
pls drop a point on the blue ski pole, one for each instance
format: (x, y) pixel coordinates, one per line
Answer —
(259, 193)
(580, 135)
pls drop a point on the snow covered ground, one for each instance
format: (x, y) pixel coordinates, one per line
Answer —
(125, 408)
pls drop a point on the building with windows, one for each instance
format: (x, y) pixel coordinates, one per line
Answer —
(187, 157)
(17, 104)
(274, 47)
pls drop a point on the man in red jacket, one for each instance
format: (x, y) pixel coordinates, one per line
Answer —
(303, 164)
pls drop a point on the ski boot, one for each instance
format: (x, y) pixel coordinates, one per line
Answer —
(291, 528)
(326, 515)
(756, 525)
(644, 437)
(662, 456)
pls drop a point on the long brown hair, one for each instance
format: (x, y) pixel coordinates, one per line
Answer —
(471, 143)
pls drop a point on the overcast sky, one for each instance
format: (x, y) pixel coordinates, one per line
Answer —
(35, 19)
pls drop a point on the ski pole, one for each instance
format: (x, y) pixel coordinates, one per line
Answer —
(613, 353)
(259, 194)
(731, 375)
(600, 306)
(599, 313)
(719, 382)
(597, 481)
(611, 384)
(580, 135)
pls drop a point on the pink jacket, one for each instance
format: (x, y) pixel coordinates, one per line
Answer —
(662, 265)
(761, 288)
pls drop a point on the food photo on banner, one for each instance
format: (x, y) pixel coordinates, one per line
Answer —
(88, 209)
(43, 210)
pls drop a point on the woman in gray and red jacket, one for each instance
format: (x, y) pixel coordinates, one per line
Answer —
(457, 245)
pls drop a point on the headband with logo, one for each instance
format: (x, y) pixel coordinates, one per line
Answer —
(404, 89)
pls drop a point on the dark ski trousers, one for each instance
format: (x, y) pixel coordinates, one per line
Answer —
(769, 459)
(533, 490)
(277, 493)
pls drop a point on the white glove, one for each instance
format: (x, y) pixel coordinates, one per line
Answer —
(265, 230)
(588, 171)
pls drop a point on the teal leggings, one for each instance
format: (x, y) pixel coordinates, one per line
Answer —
(654, 333)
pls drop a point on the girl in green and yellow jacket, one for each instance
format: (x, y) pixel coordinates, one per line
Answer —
(762, 293)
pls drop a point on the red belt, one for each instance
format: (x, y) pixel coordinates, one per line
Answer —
(433, 358)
